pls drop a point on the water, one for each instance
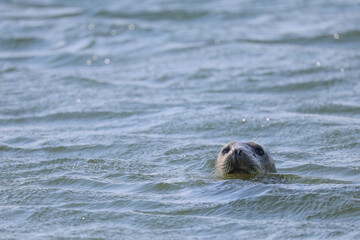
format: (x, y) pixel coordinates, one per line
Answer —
(112, 114)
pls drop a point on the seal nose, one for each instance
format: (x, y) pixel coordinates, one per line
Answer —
(237, 151)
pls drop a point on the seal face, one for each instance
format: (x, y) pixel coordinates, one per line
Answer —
(244, 157)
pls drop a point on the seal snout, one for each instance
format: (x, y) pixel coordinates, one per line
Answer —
(237, 151)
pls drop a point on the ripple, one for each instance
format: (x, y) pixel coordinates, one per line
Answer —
(331, 109)
(66, 116)
(22, 43)
(30, 12)
(75, 183)
(343, 40)
(328, 174)
(305, 86)
(173, 15)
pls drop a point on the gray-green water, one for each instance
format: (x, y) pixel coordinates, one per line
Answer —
(112, 114)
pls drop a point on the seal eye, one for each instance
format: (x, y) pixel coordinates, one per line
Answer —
(259, 151)
(225, 150)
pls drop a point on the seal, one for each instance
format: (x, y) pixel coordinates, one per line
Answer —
(244, 158)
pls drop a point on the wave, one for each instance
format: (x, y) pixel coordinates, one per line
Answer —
(174, 15)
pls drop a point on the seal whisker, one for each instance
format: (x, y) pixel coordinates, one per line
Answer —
(256, 138)
(232, 135)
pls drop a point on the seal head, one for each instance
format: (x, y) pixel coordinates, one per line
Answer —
(244, 158)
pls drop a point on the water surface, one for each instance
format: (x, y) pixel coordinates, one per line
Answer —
(112, 114)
